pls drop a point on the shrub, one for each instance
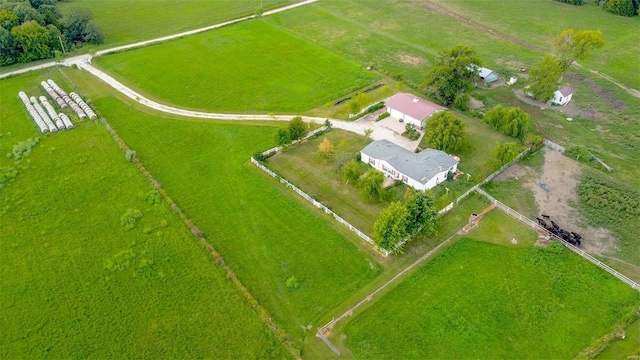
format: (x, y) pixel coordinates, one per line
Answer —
(292, 283)
(371, 185)
(383, 116)
(462, 102)
(130, 155)
(375, 107)
(129, 219)
(621, 7)
(411, 132)
(23, 148)
(297, 128)
(503, 153)
(259, 156)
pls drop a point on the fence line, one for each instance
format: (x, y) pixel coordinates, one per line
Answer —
(320, 206)
(516, 215)
(553, 145)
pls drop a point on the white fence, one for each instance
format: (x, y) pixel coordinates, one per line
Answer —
(553, 145)
(516, 215)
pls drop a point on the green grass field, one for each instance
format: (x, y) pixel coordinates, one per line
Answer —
(127, 21)
(481, 300)
(238, 68)
(537, 22)
(264, 235)
(77, 284)
(404, 45)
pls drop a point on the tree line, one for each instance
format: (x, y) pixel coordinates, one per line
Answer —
(36, 29)
(618, 7)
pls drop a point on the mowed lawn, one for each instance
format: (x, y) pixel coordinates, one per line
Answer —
(322, 180)
(262, 232)
(127, 21)
(77, 284)
(479, 300)
(537, 22)
(248, 67)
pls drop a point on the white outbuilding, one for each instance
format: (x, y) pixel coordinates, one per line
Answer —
(411, 109)
(562, 96)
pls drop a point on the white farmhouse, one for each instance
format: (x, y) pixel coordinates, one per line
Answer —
(422, 170)
(562, 96)
(411, 109)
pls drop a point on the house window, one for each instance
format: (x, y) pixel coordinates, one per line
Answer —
(372, 162)
(405, 179)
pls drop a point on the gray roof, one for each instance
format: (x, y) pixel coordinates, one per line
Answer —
(421, 166)
(565, 90)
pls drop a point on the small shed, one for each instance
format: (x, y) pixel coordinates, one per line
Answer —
(562, 96)
(411, 109)
(486, 75)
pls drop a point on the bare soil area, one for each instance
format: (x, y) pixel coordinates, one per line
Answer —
(413, 60)
(560, 174)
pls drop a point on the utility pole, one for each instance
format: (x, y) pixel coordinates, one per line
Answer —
(61, 44)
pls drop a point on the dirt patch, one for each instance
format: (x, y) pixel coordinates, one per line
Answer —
(516, 171)
(560, 174)
(412, 60)
(476, 104)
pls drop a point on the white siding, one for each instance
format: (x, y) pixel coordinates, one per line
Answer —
(395, 113)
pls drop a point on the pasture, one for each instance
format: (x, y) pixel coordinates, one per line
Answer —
(404, 45)
(537, 22)
(237, 68)
(128, 21)
(482, 300)
(93, 263)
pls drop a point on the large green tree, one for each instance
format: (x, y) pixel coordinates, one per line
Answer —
(512, 121)
(297, 128)
(544, 78)
(446, 132)
(282, 137)
(390, 227)
(503, 153)
(573, 45)
(32, 41)
(453, 74)
(371, 185)
(422, 215)
(351, 172)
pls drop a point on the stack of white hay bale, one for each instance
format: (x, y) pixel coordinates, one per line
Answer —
(44, 114)
(52, 127)
(67, 99)
(53, 94)
(92, 115)
(32, 111)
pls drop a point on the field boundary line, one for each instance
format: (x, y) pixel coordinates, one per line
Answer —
(523, 219)
(261, 311)
(321, 330)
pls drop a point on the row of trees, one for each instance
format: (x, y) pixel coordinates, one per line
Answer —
(37, 30)
(569, 46)
(417, 215)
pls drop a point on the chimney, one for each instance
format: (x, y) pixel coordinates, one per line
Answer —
(440, 167)
(415, 100)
